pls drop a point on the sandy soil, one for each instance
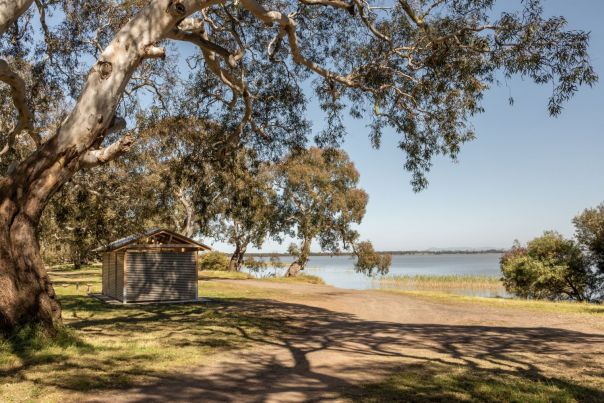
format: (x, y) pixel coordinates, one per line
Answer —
(339, 339)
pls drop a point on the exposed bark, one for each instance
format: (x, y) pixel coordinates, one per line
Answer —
(26, 294)
(18, 91)
(236, 261)
(189, 228)
(10, 11)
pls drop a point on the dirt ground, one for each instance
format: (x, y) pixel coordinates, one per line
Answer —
(338, 340)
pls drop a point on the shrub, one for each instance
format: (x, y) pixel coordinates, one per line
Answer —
(213, 261)
(254, 265)
(550, 267)
(369, 260)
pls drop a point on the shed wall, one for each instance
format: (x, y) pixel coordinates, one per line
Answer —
(160, 276)
(119, 276)
(105, 272)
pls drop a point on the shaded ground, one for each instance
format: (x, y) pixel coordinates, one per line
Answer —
(329, 344)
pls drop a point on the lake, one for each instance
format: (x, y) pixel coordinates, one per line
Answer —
(339, 270)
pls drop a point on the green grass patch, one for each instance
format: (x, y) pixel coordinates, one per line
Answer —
(438, 382)
(106, 346)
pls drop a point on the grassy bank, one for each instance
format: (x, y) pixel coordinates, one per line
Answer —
(234, 275)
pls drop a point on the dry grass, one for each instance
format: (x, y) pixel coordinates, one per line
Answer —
(234, 275)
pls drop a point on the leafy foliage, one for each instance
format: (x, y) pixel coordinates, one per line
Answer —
(589, 231)
(319, 199)
(369, 260)
(550, 267)
(213, 261)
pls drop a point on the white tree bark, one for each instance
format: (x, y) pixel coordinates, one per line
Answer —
(10, 11)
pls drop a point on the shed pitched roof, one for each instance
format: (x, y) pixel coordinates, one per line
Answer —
(123, 242)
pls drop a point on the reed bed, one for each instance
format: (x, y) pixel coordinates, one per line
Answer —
(456, 284)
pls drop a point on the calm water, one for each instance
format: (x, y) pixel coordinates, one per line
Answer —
(339, 270)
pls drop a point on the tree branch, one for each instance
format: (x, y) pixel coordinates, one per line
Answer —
(10, 11)
(368, 22)
(154, 52)
(97, 157)
(18, 91)
(289, 25)
(333, 3)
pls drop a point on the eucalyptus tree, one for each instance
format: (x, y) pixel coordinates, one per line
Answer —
(179, 161)
(320, 200)
(97, 207)
(246, 205)
(420, 68)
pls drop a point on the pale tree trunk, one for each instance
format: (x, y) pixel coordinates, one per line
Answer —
(298, 265)
(11, 10)
(189, 228)
(26, 294)
(237, 257)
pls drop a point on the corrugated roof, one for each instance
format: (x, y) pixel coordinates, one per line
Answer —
(149, 232)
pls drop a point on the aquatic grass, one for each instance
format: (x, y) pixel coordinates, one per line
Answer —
(456, 284)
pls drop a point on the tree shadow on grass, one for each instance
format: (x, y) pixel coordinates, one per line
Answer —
(309, 353)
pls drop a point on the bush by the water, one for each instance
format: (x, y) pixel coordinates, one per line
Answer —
(550, 267)
(213, 261)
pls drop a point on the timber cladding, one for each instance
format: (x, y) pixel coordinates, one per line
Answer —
(161, 276)
(158, 265)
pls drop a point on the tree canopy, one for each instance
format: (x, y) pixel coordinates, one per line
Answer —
(77, 73)
(553, 267)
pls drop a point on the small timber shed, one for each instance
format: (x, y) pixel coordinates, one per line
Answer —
(157, 265)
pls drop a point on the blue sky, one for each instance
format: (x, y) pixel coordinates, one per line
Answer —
(525, 172)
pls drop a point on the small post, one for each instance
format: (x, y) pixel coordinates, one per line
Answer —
(77, 286)
(87, 288)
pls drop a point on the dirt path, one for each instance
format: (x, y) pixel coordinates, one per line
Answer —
(338, 339)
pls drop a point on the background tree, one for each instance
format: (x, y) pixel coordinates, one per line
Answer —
(319, 199)
(246, 206)
(96, 208)
(368, 260)
(213, 261)
(420, 68)
(550, 267)
(589, 231)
